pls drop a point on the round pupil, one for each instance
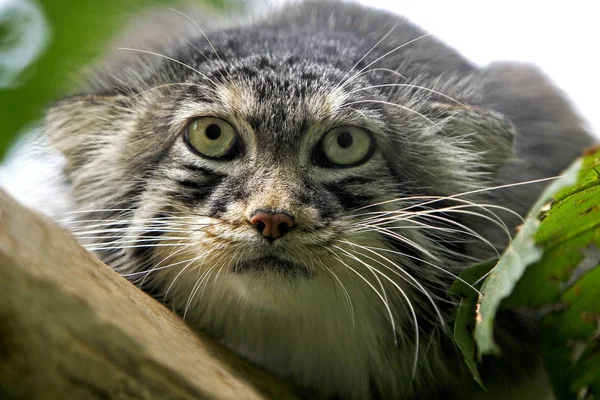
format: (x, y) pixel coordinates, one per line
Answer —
(213, 131)
(344, 140)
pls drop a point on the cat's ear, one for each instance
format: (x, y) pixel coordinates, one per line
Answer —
(79, 125)
(479, 130)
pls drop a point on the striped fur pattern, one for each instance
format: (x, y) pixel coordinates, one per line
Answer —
(350, 303)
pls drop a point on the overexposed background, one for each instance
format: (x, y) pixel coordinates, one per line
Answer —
(561, 37)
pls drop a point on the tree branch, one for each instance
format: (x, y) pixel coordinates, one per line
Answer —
(71, 328)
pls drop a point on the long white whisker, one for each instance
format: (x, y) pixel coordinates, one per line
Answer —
(405, 240)
(435, 199)
(385, 55)
(466, 204)
(122, 230)
(410, 110)
(169, 85)
(92, 248)
(346, 294)
(375, 271)
(195, 288)
(406, 277)
(203, 34)
(189, 262)
(366, 54)
(381, 297)
(408, 85)
(428, 263)
(170, 59)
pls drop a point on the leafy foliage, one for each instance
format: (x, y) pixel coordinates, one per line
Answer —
(553, 268)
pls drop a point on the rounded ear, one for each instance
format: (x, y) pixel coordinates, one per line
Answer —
(548, 125)
(479, 130)
(79, 125)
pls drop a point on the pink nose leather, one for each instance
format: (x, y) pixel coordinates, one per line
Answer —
(272, 225)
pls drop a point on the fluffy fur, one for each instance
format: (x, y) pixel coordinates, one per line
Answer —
(351, 302)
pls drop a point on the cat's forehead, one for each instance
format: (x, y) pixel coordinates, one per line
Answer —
(278, 97)
(281, 101)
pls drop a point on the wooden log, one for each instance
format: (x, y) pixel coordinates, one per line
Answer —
(72, 328)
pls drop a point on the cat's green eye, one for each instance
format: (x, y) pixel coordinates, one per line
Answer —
(211, 137)
(345, 146)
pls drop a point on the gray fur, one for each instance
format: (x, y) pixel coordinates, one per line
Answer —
(446, 127)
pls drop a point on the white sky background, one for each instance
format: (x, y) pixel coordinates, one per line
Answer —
(561, 37)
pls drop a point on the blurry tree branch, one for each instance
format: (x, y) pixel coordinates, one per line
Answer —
(72, 328)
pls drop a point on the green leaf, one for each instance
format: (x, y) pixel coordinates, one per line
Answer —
(564, 286)
(463, 335)
(466, 286)
(552, 267)
(522, 252)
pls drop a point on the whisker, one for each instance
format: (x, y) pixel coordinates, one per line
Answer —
(408, 278)
(195, 288)
(366, 54)
(157, 267)
(127, 239)
(374, 271)
(170, 59)
(391, 71)
(454, 276)
(129, 229)
(411, 86)
(466, 204)
(405, 240)
(386, 304)
(410, 110)
(346, 294)
(119, 211)
(94, 248)
(205, 37)
(385, 55)
(189, 262)
(435, 199)
(198, 285)
(94, 223)
(169, 85)
(430, 214)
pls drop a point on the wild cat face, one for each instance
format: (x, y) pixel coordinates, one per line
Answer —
(271, 167)
(280, 172)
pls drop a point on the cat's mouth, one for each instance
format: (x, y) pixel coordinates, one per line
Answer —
(272, 264)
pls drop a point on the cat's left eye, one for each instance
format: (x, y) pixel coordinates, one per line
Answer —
(345, 146)
(211, 137)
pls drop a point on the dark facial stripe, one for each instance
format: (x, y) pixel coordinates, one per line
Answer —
(349, 194)
(198, 186)
(232, 189)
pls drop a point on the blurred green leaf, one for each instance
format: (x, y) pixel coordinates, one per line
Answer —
(79, 32)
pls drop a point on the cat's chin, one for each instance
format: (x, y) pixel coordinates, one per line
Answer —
(272, 265)
(267, 287)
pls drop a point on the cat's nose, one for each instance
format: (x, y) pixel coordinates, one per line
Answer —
(272, 225)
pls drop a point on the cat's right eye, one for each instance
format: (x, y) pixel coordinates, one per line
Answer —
(211, 137)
